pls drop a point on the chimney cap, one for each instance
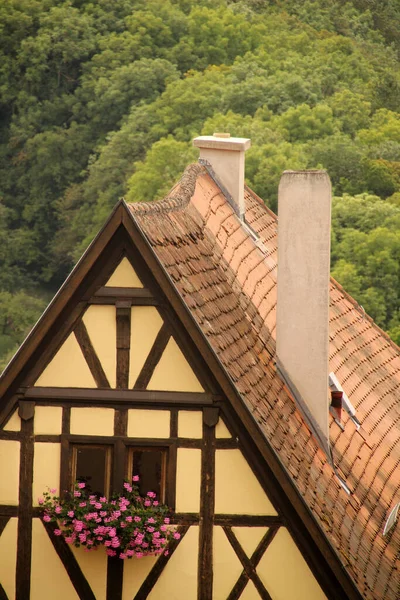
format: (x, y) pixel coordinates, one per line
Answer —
(216, 142)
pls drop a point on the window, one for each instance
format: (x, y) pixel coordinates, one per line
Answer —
(92, 464)
(150, 465)
(103, 469)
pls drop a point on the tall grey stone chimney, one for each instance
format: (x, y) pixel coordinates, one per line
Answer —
(304, 216)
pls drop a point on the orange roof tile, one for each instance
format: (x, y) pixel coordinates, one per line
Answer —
(228, 282)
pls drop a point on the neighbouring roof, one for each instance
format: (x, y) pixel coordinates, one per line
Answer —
(227, 280)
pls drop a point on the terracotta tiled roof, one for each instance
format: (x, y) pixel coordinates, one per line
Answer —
(228, 281)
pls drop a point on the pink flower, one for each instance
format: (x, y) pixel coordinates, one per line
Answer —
(123, 555)
(151, 494)
(57, 510)
(139, 554)
(40, 500)
(135, 478)
(70, 513)
(163, 528)
(166, 553)
(130, 552)
(150, 529)
(129, 519)
(82, 504)
(57, 532)
(47, 518)
(103, 513)
(147, 503)
(166, 520)
(136, 519)
(103, 499)
(77, 494)
(177, 535)
(110, 552)
(151, 520)
(98, 505)
(53, 490)
(155, 503)
(81, 485)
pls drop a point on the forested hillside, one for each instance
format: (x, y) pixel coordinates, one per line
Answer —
(101, 99)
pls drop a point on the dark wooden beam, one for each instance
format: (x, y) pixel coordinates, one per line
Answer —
(3, 522)
(156, 571)
(246, 520)
(115, 575)
(111, 295)
(123, 344)
(93, 362)
(123, 293)
(8, 511)
(70, 563)
(152, 360)
(3, 595)
(120, 432)
(118, 396)
(65, 467)
(254, 560)
(24, 543)
(248, 567)
(207, 501)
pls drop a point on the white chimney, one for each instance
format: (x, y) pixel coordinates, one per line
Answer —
(304, 216)
(225, 154)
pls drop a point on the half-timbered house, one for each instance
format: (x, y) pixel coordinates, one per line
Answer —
(157, 357)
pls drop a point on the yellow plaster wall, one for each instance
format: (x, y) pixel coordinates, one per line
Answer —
(101, 325)
(135, 572)
(13, 423)
(149, 423)
(190, 424)
(250, 592)
(124, 276)
(178, 581)
(46, 469)
(68, 368)
(48, 420)
(94, 567)
(237, 489)
(285, 573)
(226, 565)
(145, 325)
(221, 430)
(8, 557)
(173, 373)
(9, 472)
(49, 579)
(188, 475)
(249, 537)
(92, 421)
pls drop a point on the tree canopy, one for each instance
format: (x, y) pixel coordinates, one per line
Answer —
(101, 99)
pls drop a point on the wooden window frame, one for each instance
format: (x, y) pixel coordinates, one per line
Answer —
(131, 448)
(109, 466)
(119, 462)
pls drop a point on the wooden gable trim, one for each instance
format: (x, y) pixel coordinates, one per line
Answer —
(315, 535)
(18, 364)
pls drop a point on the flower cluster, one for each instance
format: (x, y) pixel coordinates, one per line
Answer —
(129, 526)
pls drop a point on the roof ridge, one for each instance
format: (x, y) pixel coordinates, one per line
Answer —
(172, 202)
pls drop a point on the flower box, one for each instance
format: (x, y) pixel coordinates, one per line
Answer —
(128, 525)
